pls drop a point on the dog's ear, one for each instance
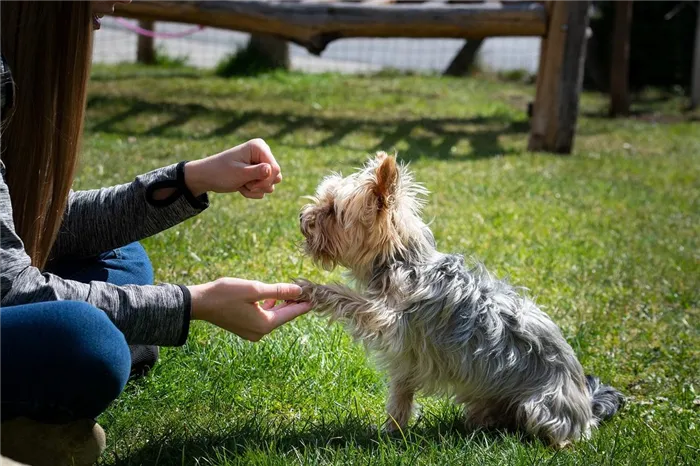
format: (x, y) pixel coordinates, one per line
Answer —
(387, 180)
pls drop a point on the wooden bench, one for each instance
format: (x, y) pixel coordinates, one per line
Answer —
(315, 24)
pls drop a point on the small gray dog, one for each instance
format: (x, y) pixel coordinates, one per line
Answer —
(436, 325)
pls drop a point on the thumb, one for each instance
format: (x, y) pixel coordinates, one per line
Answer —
(256, 172)
(278, 291)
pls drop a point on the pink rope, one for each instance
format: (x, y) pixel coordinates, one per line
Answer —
(158, 35)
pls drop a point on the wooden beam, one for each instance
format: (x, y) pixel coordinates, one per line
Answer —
(620, 59)
(695, 84)
(560, 78)
(314, 26)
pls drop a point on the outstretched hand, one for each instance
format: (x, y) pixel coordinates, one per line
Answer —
(234, 305)
(249, 168)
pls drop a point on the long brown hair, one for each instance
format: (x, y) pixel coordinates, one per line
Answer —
(48, 47)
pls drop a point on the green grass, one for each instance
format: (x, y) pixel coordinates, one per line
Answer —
(606, 239)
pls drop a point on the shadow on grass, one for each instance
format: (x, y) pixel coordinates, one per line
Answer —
(658, 107)
(647, 114)
(261, 435)
(432, 137)
(111, 76)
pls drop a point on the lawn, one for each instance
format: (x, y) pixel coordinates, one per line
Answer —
(606, 239)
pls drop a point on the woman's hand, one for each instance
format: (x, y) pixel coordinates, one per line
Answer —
(249, 168)
(234, 305)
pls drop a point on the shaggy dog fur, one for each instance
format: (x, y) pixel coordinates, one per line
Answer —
(437, 325)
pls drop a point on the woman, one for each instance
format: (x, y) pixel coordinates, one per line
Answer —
(76, 288)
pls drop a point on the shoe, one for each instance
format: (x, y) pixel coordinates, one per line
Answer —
(5, 461)
(143, 358)
(79, 443)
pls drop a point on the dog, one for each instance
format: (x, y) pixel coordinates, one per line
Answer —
(436, 325)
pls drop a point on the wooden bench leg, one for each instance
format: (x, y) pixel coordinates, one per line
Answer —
(560, 78)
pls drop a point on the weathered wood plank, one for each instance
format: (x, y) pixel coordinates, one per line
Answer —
(695, 84)
(464, 60)
(145, 49)
(555, 111)
(314, 26)
(275, 51)
(620, 59)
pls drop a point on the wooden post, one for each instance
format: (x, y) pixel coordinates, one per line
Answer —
(695, 84)
(463, 61)
(272, 50)
(560, 78)
(620, 59)
(145, 52)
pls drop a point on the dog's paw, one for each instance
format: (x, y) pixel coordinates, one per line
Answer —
(392, 429)
(307, 290)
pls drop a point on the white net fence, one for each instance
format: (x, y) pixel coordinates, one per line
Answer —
(115, 43)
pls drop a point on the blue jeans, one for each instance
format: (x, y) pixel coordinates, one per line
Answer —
(65, 360)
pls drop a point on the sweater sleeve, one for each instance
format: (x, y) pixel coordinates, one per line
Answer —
(102, 219)
(157, 315)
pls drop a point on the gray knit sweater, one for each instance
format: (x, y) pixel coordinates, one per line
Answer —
(97, 221)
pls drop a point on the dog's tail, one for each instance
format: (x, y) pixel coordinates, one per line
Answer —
(605, 400)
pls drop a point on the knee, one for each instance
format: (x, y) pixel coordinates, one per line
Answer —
(101, 350)
(90, 353)
(139, 264)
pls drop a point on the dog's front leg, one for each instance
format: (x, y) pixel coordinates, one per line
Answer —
(369, 319)
(399, 406)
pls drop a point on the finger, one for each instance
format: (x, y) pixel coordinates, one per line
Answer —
(278, 291)
(265, 156)
(254, 337)
(269, 304)
(261, 185)
(277, 179)
(250, 186)
(287, 312)
(276, 171)
(259, 150)
(250, 194)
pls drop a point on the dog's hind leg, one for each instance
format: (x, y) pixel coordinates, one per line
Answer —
(559, 419)
(488, 414)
